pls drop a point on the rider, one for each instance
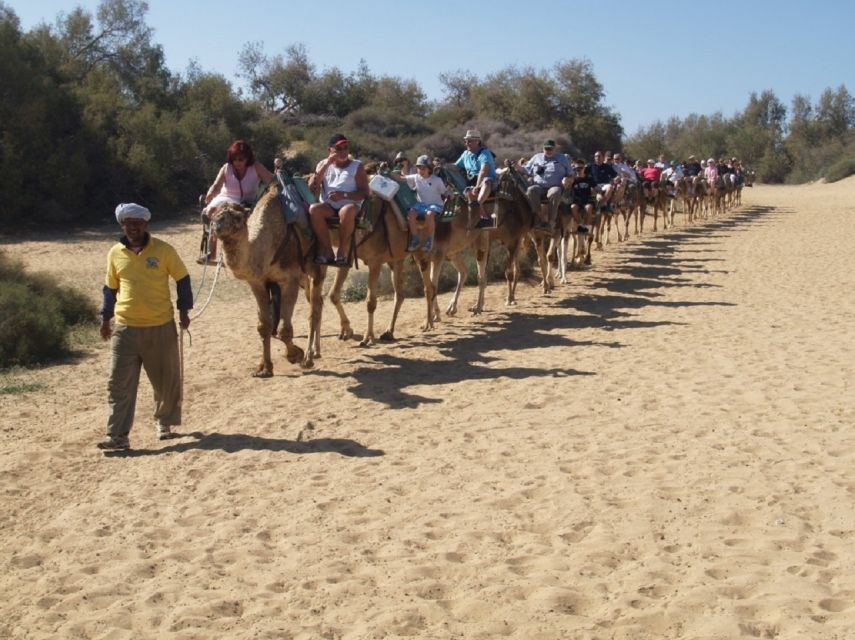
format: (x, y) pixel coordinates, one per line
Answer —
(237, 182)
(344, 185)
(550, 173)
(480, 169)
(604, 176)
(627, 175)
(692, 169)
(402, 164)
(581, 196)
(431, 191)
(652, 174)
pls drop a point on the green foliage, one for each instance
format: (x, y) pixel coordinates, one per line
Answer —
(841, 169)
(36, 316)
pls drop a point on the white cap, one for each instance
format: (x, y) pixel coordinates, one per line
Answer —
(132, 210)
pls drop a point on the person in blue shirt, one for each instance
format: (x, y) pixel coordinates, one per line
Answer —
(550, 173)
(480, 169)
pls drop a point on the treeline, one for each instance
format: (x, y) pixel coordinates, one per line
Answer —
(816, 141)
(90, 115)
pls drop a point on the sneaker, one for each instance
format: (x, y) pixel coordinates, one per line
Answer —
(428, 245)
(581, 229)
(164, 431)
(483, 223)
(414, 243)
(115, 443)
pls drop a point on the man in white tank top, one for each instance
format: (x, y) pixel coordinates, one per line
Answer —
(344, 185)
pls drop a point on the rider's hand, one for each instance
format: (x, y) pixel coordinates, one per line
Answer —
(184, 319)
(106, 330)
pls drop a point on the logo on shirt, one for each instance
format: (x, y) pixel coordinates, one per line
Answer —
(152, 263)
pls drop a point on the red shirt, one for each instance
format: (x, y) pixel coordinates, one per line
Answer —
(652, 174)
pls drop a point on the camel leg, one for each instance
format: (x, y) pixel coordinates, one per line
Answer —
(425, 268)
(460, 266)
(435, 269)
(398, 287)
(346, 332)
(290, 290)
(481, 257)
(314, 293)
(544, 261)
(264, 327)
(511, 272)
(371, 304)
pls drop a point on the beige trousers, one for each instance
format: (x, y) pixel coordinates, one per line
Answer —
(156, 350)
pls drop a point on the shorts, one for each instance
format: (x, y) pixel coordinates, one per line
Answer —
(471, 182)
(422, 208)
(581, 202)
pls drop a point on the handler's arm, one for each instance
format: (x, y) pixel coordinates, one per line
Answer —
(185, 300)
(107, 310)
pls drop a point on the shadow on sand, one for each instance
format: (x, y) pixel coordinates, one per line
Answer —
(648, 265)
(234, 442)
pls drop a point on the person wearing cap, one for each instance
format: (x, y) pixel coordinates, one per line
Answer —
(136, 293)
(550, 173)
(402, 164)
(237, 182)
(662, 162)
(431, 191)
(477, 160)
(343, 185)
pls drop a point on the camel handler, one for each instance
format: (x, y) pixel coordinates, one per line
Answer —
(550, 173)
(137, 293)
(480, 169)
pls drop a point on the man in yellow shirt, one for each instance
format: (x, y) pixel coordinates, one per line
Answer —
(136, 292)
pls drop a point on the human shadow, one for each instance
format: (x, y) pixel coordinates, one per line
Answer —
(234, 442)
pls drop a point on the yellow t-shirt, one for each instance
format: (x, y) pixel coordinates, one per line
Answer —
(143, 298)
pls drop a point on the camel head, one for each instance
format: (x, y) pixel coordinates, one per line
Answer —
(228, 219)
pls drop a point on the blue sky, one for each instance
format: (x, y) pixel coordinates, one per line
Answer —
(676, 59)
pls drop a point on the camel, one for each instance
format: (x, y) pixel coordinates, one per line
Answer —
(630, 207)
(273, 260)
(566, 235)
(385, 242)
(686, 200)
(512, 211)
(659, 200)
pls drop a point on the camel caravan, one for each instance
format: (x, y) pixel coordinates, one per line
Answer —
(346, 214)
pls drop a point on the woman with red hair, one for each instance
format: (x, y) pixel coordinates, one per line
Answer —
(237, 181)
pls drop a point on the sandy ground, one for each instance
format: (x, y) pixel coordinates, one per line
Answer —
(663, 448)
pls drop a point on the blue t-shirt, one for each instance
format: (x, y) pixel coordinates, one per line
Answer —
(472, 163)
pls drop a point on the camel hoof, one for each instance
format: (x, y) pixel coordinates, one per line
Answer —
(366, 342)
(387, 336)
(451, 311)
(308, 363)
(346, 334)
(511, 303)
(261, 372)
(294, 355)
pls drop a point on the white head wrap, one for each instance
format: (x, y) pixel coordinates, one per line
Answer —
(132, 210)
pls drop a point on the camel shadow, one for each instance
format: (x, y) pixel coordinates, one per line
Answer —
(650, 265)
(234, 442)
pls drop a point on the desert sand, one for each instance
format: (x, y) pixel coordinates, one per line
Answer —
(662, 448)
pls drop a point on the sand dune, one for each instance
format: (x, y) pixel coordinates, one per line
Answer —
(661, 449)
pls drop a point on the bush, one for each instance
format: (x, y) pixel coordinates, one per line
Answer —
(840, 170)
(36, 316)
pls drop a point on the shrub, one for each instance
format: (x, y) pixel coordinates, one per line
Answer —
(36, 315)
(839, 170)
